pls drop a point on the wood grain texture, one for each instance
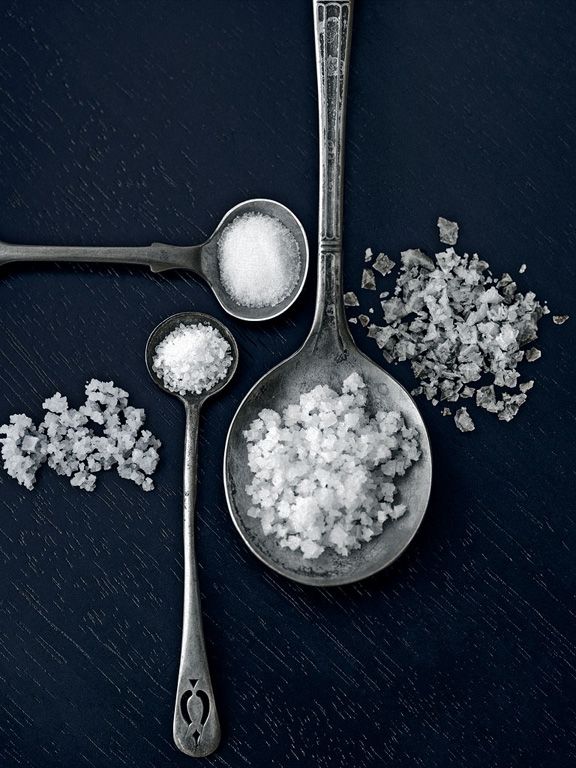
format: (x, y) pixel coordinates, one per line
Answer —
(125, 123)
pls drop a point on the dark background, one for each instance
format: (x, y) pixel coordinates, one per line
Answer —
(126, 122)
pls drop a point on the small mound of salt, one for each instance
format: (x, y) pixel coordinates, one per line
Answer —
(259, 260)
(67, 442)
(193, 358)
(323, 469)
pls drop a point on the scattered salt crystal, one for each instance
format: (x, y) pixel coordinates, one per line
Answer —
(522, 269)
(456, 324)
(532, 354)
(259, 260)
(525, 386)
(463, 420)
(368, 254)
(368, 280)
(364, 320)
(323, 469)
(446, 412)
(353, 320)
(351, 300)
(67, 442)
(383, 264)
(414, 257)
(193, 358)
(448, 231)
(560, 319)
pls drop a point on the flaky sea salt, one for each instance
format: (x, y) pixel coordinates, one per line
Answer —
(383, 264)
(259, 260)
(463, 420)
(462, 329)
(368, 280)
(192, 358)
(78, 443)
(323, 469)
(448, 231)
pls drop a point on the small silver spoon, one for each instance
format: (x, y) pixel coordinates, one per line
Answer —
(196, 728)
(200, 259)
(329, 354)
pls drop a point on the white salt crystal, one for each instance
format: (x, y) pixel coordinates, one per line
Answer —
(448, 231)
(259, 260)
(368, 280)
(383, 264)
(193, 358)
(351, 300)
(463, 420)
(560, 319)
(522, 269)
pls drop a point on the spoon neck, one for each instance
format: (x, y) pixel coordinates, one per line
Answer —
(330, 317)
(333, 32)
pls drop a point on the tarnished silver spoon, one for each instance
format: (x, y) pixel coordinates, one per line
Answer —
(328, 355)
(196, 727)
(200, 259)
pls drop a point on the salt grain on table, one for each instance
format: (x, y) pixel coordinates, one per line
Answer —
(351, 300)
(532, 354)
(463, 420)
(368, 280)
(383, 264)
(448, 231)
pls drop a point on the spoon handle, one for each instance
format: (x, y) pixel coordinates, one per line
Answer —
(333, 33)
(196, 727)
(158, 256)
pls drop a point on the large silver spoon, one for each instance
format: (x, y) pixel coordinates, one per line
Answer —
(196, 728)
(328, 355)
(200, 259)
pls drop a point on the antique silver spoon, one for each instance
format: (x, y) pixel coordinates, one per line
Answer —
(328, 355)
(196, 728)
(200, 259)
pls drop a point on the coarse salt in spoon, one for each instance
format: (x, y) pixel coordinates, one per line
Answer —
(329, 355)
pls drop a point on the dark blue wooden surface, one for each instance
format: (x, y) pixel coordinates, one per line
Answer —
(129, 122)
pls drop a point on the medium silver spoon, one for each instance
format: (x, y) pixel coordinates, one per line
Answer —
(200, 259)
(196, 728)
(328, 355)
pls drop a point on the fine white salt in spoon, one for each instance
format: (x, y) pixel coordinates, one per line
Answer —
(202, 259)
(196, 727)
(329, 354)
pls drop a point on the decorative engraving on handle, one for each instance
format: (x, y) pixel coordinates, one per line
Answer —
(195, 708)
(333, 21)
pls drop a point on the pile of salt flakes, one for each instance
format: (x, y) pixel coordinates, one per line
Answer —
(463, 330)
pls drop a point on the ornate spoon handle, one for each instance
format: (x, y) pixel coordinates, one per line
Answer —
(333, 33)
(196, 726)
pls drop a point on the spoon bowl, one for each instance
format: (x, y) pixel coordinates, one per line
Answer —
(283, 385)
(209, 268)
(165, 328)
